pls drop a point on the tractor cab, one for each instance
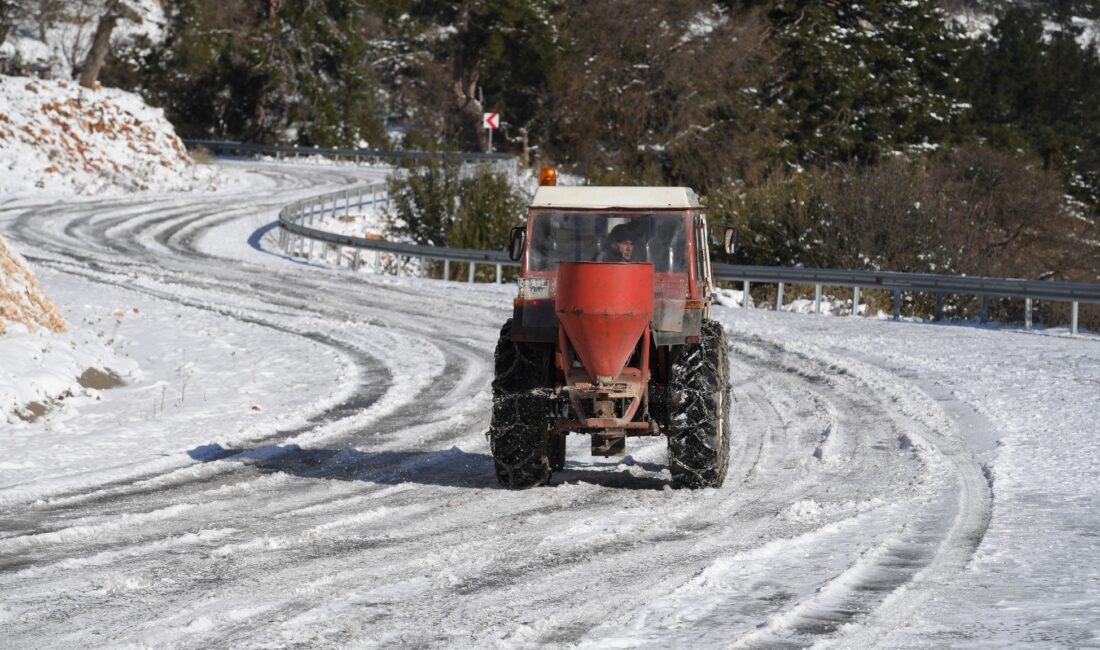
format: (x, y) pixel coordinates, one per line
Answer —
(666, 228)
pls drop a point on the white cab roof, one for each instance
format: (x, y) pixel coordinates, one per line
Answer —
(604, 198)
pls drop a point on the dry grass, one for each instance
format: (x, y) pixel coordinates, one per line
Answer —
(202, 156)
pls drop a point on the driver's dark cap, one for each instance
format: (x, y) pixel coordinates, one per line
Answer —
(621, 233)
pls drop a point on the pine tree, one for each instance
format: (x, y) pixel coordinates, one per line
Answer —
(1040, 91)
(864, 81)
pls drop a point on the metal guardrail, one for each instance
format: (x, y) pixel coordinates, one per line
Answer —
(298, 238)
(899, 283)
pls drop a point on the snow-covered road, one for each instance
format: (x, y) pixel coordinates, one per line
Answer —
(317, 472)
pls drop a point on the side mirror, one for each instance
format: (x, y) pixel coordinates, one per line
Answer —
(515, 246)
(730, 240)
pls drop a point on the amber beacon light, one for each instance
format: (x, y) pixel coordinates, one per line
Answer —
(548, 176)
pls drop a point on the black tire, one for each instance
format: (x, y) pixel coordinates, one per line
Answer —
(520, 426)
(556, 451)
(698, 422)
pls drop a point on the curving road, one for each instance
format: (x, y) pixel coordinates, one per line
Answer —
(857, 497)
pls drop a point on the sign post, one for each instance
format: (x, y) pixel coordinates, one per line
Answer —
(490, 121)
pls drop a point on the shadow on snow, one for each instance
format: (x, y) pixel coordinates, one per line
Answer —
(446, 467)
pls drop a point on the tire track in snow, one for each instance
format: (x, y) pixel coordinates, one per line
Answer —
(953, 516)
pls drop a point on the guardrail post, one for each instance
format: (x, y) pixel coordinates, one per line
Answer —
(1073, 320)
(745, 296)
(897, 304)
(983, 311)
(339, 254)
(500, 274)
(1027, 314)
(472, 268)
(817, 298)
(310, 256)
(446, 269)
(938, 314)
(355, 261)
(855, 301)
(779, 298)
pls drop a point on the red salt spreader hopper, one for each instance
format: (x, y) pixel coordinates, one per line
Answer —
(604, 310)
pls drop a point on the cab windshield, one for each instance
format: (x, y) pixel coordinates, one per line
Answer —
(658, 238)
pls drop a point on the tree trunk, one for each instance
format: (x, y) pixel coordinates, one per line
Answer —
(525, 147)
(101, 42)
(470, 106)
(7, 11)
(464, 78)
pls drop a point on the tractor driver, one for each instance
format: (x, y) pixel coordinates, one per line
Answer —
(622, 244)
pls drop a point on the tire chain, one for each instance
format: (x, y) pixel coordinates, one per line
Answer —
(699, 412)
(521, 409)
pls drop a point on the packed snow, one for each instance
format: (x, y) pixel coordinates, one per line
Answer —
(892, 484)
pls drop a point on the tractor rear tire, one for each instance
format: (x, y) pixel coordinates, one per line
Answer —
(520, 428)
(698, 418)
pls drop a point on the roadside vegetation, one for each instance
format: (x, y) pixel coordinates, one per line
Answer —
(438, 204)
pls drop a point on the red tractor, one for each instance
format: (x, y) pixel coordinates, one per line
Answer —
(611, 336)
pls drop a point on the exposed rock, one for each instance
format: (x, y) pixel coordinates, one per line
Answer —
(99, 379)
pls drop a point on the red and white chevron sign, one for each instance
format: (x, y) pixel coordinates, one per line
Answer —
(490, 121)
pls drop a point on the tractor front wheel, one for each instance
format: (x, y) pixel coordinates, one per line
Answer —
(698, 418)
(519, 434)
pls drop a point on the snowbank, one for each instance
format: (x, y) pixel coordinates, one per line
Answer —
(41, 367)
(40, 362)
(56, 136)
